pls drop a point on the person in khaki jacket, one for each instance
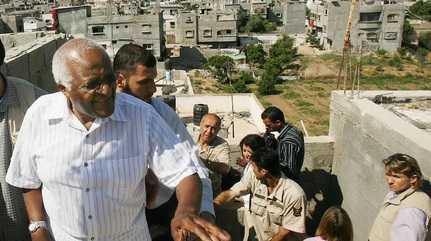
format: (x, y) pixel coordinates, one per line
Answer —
(16, 95)
(277, 210)
(406, 211)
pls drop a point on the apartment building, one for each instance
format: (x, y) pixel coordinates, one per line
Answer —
(375, 23)
(212, 27)
(115, 31)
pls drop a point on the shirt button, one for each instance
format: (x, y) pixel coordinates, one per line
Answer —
(87, 189)
(85, 164)
(90, 217)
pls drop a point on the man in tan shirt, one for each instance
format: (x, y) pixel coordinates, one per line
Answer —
(213, 150)
(277, 210)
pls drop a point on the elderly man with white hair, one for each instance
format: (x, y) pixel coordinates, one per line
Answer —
(83, 153)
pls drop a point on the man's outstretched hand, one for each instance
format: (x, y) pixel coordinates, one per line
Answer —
(183, 225)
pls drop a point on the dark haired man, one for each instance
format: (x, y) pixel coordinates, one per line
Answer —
(16, 95)
(136, 70)
(290, 145)
(277, 210)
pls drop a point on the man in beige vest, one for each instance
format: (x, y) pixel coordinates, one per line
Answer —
(16, 95)
(406, 211)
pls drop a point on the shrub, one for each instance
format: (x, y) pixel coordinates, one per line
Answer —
(395, 62)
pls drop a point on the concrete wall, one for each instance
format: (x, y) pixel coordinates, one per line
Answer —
(18, 39)
(32, 61)
(336, 24)
(364, 134)
(73, 20)
(217, 27)
(294, 17)
(186, 29)
(222, 103)
(145, 30)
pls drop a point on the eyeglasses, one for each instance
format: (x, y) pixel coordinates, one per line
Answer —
(97, 84)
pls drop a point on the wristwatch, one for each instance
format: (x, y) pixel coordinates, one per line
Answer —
(35, 225)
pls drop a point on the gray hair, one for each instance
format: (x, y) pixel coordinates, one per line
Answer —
(71, 51)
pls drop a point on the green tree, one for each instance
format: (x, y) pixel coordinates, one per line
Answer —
(255, 55)
(422, 9)
(408, 33)
(255, 24)
(313, 40)
(220, 66)
(425, 40)
(421, 55)
(266, 86)
(242, 20)
(239, 86)
(283, 53)
(246, 77)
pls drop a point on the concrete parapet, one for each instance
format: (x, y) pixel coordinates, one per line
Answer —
(364, 134)
(32, 61)
(319, 151)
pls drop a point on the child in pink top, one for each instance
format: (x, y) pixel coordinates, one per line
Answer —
(335, 225)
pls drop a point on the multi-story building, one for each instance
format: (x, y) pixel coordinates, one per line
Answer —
(375, 23)
(293, 16)
(169, 13)
(115, 31)
(217, 28)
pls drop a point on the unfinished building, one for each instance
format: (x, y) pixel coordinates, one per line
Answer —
(217, 28)
(376, 24)
(293, 16)
(115, 31)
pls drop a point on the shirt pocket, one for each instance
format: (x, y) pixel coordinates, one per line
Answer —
(258, 206)
(275, 214)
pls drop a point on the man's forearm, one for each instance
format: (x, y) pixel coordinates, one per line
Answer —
(219, 167)
(281, 235)
(224, 197)
(36, 212)
(189, 194)
(34, 204)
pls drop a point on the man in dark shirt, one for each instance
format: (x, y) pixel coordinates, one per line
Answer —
(290, 145)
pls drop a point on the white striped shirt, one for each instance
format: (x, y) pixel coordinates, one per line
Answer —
(93, 180)
(174, 122)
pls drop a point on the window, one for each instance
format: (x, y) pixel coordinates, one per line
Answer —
(98, 30)
(207, 33)
(372, 37)
(190, 34)
(391, 35)
(228, 31)
(393, 18)
(189, 20)
(172, 24)
(125, 26)
(146, 29)
(369, 17)
(117, 27)
(147, 46)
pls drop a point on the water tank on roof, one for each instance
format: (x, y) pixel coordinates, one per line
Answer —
(199, 110)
